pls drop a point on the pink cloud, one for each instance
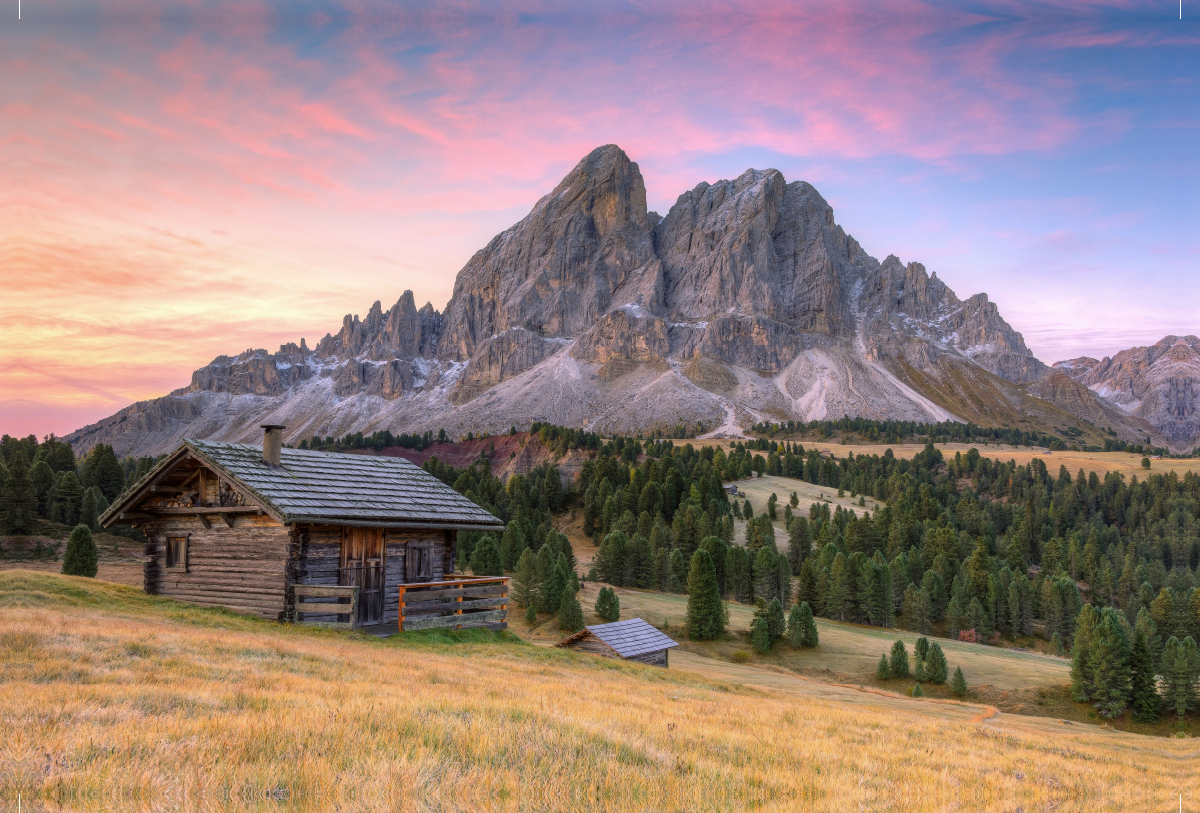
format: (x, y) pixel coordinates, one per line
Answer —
(136, 143)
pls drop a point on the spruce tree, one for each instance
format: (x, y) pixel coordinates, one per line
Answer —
(705, 612)
(512, 545)
(549, 579)
(531, 615)
(775, 619)
(81, 557)
(570, 614)
(608, 605)
(760, 635)
(958, 684)
(88, 513)
(883, 670)
(524, 582)
(485, 561)
(898, 664)
(795, 627)
(920, 650)
(916, 691)
(811, 637)
(1143, 685)
(936, 668)
(1180, 670)
(1108, 658)
(1081, 664)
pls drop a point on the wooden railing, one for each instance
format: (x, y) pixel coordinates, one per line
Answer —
(458, 603)
(332, 604)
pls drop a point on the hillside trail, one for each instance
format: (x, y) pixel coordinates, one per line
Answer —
(860, 345)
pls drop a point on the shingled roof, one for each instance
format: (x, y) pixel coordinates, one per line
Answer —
(628, 638)
(338, 489)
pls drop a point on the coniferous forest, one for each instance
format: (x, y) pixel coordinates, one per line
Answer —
(1103, 568)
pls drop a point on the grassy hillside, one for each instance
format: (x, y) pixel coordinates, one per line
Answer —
(117, 700)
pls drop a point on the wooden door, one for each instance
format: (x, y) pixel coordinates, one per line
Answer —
(363, 565)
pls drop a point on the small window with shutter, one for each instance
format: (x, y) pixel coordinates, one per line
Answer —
(177, 552)
(418, 565)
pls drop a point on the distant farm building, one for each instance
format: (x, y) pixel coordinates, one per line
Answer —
(320, 537)
(631, 640)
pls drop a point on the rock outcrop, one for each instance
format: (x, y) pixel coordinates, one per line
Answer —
(1159, 384)
(746, 302)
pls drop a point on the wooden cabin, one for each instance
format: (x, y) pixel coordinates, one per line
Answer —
(266, 530)
(631, 640)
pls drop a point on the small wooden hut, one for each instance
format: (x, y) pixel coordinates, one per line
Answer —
(299, 535)
(631, 640)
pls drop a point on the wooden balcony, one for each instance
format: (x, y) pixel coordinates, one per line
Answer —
(457, 603)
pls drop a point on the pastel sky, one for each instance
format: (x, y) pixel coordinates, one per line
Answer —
(184, 180)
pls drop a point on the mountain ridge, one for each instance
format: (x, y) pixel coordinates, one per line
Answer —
(746, 302)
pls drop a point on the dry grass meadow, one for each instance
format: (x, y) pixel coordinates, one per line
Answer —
(114, 700)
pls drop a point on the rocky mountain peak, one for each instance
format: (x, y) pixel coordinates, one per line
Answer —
(745, 302)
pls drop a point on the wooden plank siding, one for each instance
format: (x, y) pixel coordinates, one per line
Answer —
(243, 567)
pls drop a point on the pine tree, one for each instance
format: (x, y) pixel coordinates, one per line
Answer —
(898, 664)
(531, 615)
(485, 561)
(958, 684)
(608, 605)
(512, 545)
(1108, 658)
(916, 691)
(883, 670)
(760, 635)
(524, 582)
(570, 614)
(18, 505)
(1143, 686)
(1082, 675)
(81, 557)
(936, 670)
(705, 612)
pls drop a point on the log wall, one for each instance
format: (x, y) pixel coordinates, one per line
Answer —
(321, 557)
(243, 568)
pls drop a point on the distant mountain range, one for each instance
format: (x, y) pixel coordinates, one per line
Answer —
(747, 302)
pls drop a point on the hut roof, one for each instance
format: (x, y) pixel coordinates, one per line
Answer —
(330, 487)
(628, 638)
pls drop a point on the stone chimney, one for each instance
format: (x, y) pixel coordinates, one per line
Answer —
(272, 442)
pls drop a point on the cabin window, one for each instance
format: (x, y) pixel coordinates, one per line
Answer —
(419, 561)
(177, 552)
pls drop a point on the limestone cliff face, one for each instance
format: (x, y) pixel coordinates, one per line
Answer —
(746, 302)
(557, 271)
(1159, 383)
